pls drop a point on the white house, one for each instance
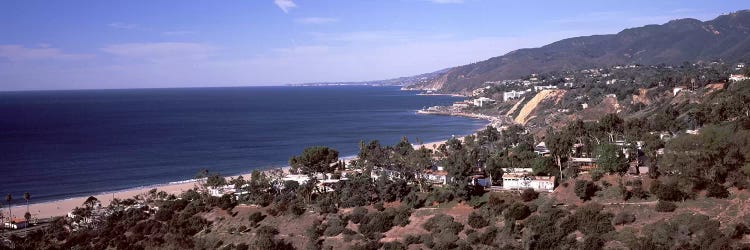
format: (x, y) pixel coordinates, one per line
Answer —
(437, 177)
(538, 88)
(221, 191)
(517, 170)
(512, 95)
(523, 181)
(299, 178)
(677, 90)
(481, 101)
(736, 78)
(16, 223)
(461, 104)
(541, 149)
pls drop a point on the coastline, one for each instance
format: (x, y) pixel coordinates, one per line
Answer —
(49, 209)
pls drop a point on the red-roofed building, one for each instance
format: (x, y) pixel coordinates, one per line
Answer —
(16, 223)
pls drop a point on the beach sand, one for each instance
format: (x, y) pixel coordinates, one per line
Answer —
(62, 207)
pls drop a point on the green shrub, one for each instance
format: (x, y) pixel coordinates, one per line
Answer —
(375, 223)
(334, 226)
(357, 214)
(442, 223)
(379, 206)
(623, 218)
(518, 211)
(255, 218)
(591, 220)
(394, 245)
(585, 189)
(476, 220)
(400, 216)
(665, 206)
(717, 191)
(412, 239)
(529, 195)
(668, 192)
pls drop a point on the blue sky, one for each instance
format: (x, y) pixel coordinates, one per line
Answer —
(139, 44)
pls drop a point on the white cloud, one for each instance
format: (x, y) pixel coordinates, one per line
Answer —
(161, 51)
(179, 32)
(44, 52)
(316, 20)
(285, 5)
(446, 1)
(123, 26)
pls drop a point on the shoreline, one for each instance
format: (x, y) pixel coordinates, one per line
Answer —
(54, 208)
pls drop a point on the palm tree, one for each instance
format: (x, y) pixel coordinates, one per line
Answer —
(2, 217)
(27, 197)
(9, 198)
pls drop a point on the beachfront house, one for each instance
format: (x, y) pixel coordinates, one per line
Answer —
(16, 223)
(461, 105)
(518, 181)
(222, 190)
(481, 101)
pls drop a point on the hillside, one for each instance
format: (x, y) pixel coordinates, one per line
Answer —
(400, 81)
(725, 38)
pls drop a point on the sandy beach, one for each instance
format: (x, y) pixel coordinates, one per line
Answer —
(62, 207)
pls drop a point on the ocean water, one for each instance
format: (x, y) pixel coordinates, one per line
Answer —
(61, 144)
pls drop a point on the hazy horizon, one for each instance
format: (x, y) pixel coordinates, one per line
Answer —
(97, 45)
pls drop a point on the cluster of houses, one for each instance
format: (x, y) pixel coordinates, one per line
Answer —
(512, 179)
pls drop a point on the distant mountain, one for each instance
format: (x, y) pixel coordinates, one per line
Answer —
(401, 81)
(726, 38)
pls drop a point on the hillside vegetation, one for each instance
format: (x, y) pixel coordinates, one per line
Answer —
(726, 38)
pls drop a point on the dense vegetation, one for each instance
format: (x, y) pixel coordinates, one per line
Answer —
(386, 188)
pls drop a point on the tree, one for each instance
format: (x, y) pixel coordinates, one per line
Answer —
(418, 161)
(476, 220)
(612, 125)
(529, 195)
(314, 160)
(91, 202)
(559, 145)
(611, 159)
(544, 166)
(9, 198)
(665, 206)
(27, 197)
(585, 189)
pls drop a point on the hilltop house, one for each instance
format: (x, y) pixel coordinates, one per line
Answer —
(516, 181)
(481, 101)
(583, 164)
(512, 95)
(737, 77)
(540, 88)
(541, 149)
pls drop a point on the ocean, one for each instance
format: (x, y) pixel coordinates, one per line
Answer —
(62, 144)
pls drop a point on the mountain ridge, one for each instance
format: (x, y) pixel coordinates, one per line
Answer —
(727, 37)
